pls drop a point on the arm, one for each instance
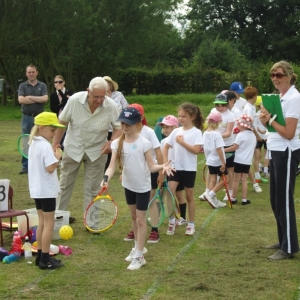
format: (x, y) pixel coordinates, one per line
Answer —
(232, 148)
(165, 152)
(221, 155)
(287, 131)
(258, 138)
(160, 161)
(196, 149)
(110, 171)
(106, 147)
(228, 131)
(166, 168)
(59, 132)
(58, 155)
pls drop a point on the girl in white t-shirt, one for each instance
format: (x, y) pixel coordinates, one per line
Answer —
(186, 142)
(168, 124)
(43, 183)
(215, 158)
(243, 146)
(133, 154)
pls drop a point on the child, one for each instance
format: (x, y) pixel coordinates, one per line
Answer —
(249, 109)
(133, 154)
(215, 158)
(156, 178)
(186, 142)
(243, 146)
(43, 183)
(168, 124)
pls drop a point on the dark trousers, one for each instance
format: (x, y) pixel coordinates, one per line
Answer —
(283, 168)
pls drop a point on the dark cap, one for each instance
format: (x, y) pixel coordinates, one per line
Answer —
(221, 99)
(130, 116)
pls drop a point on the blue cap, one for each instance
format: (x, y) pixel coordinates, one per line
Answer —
(237, 87)
(130, 116)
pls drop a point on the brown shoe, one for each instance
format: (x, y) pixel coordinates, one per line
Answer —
(274, 246)
(280, 254)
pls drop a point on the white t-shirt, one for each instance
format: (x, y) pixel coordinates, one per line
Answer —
(247, 142)
(290, 104)
(250, 110)
(170, 152)
(213, 140)
(42, 184)
(227, 117)
(149, 134)
(236, 113)
(260, 126)
(136, 174)
(240, 103)
(184, 159)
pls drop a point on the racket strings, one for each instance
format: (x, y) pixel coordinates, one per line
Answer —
(101, 214)
(154, 213)
(169, 203)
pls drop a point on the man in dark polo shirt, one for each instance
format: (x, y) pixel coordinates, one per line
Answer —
(32, 94)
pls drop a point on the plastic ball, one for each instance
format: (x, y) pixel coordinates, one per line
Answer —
(66, 232)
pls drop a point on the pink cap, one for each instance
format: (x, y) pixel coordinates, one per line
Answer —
(214, 117)
(169, 121)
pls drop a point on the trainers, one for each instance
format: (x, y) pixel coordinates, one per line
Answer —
(72, 220)
(201, 197)
(257, 188)
(219, 203)
(136, 263)
(153, 237)
(23, 171)
(246, 202)
(233, 201)
(51, 258)
(171, 228)
(190, 230)
(211, 201)
(129, 237)
(280, 254)
(51, 264)
(273, 246)
(182, 221)
(261, 179)
(131, 255)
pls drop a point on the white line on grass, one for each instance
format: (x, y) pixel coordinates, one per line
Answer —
(151, 291)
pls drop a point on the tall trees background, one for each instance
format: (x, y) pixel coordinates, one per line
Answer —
(136, 43)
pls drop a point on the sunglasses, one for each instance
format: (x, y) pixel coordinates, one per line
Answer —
(277, 75)
(59, 81)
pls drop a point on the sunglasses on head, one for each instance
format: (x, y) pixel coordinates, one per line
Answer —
(278, 75)
(59, 81)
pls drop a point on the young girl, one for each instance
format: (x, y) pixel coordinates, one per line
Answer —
(243, 146)
(43, 182)
(133, 153)
(186, 142)
(168, 124)
(215, 158)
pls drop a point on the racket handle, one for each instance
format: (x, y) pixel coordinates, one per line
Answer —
(105, 178)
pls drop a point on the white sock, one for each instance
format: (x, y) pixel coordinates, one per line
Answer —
(207, 191)
(138, 253)
(257, 175)
(135, 244)
(244, 200)
(191, 224)
(266, 170)
(212, 194)
(230, 192)
(172, 220)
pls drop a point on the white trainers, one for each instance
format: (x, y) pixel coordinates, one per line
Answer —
(212, 201)
(182, 221)
(225, 198)
(171, 228)
(131, 255)
(190, 230)
(257, 188)
(220, 204)
(136, 263)
(201, 197)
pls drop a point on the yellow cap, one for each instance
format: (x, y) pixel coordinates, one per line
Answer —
(47, 119)
(258, 101)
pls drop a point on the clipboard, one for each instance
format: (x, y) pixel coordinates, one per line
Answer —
(273, 105)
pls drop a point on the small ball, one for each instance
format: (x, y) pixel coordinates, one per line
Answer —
(66, 232)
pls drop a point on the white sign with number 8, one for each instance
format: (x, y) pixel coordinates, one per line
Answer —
(4, 189)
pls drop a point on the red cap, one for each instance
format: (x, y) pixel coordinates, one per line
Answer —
(140, 108)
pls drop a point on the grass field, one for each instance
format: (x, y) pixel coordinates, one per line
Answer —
(225, 259)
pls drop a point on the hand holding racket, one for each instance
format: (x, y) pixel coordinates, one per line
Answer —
(23, 145)
(102, 212)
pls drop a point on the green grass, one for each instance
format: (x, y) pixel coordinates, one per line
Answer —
(224, 260)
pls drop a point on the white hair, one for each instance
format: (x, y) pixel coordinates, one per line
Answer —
(98, 83)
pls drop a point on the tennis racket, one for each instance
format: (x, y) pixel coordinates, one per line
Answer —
(23, 145)
(102, 212)
(227, 190)
(177, 209)
(168, 200)
(204, 173)
(155, 212)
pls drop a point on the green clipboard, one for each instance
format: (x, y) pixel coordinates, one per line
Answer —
(272, 104)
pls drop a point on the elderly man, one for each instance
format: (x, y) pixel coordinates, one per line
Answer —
(32, 94)
(88, 116)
